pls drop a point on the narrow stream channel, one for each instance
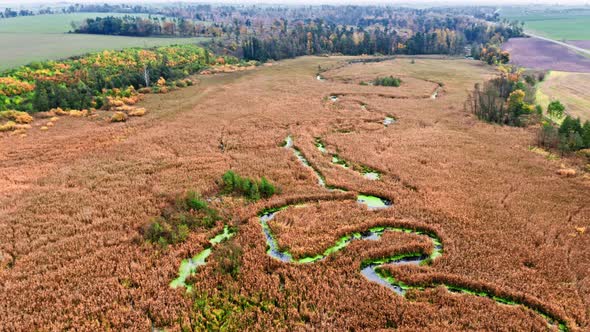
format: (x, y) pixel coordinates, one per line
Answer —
(189, 266)
(365, 171)
(371, 269)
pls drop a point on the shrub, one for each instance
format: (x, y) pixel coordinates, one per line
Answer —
(16, 116)
(119, 117)
(76, 113)
(228, 257)
(249, 188)
(194, 201)
(8, 126)
(555, 109)
(387, 81)
(137, 112)
(266, 188)
(175, 223)
(548, 135)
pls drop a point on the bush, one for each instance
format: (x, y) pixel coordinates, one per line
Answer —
(175, 223)
(16, 116)
(137, 112)
(266, 188)
(249, 188)
(555, 109)
(8, 126)
(228, 257)
(387, 81)
(194, 201)
(119, 117)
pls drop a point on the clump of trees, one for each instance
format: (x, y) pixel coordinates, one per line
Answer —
(9, 13)
(570, 136)
(505, 100)
(493, 55)
(387, 81)
(139, 26)
(509, 100)
(250, 188)
(175, 223)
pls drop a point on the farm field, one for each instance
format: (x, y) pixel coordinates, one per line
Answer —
(42, 37)
(580, 43)
(570, 89)
(568, 25)
(494, 221)
(540, 54)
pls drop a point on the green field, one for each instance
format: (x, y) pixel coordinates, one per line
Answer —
(34, 38)
(565, 25)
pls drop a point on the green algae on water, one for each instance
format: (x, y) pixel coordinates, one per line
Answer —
(188, 267)
(373, 202)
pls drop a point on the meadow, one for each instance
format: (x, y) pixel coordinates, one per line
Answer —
(76, 199)
(46, 37)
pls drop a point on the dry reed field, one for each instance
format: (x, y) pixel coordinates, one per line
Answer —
(74, 201)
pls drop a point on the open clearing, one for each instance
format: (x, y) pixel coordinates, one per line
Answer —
(569, 88)
(42, 37)
(75, 197)
(540, 54)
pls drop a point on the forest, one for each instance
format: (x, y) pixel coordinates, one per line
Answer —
(263, 33)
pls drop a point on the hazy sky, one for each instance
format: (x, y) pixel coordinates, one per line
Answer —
(16, 3)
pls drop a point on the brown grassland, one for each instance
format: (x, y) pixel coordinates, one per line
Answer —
(73, 201)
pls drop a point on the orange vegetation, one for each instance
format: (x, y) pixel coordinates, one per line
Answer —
(74, 202)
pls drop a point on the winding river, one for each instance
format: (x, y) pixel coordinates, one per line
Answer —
(372, 269)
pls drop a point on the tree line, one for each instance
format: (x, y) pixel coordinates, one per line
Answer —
(139, 26)
(318, 37)
(277, 32)
(9, 13)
